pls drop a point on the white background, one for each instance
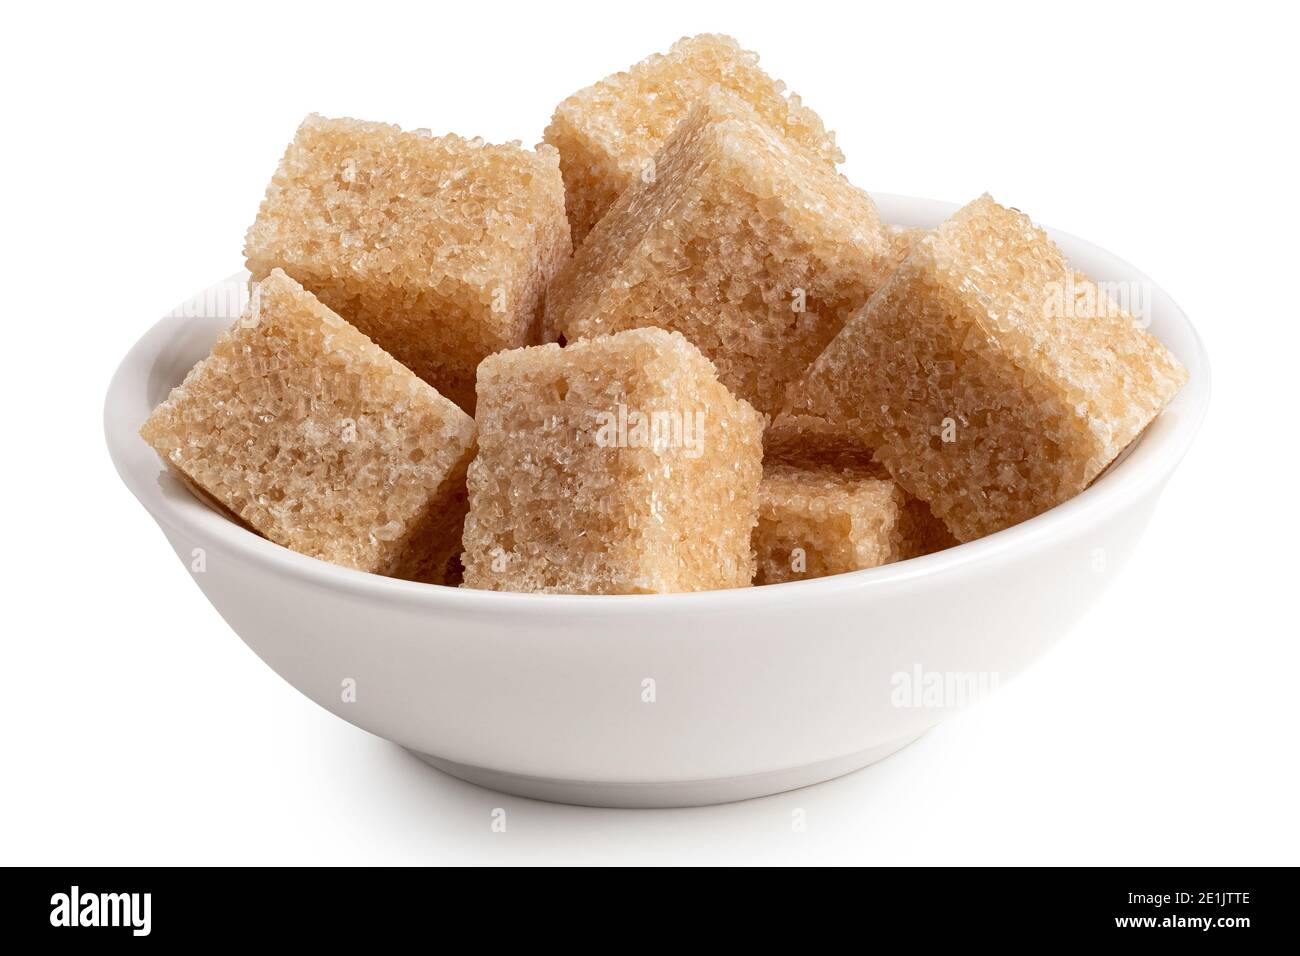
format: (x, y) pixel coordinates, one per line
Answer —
(136, 728)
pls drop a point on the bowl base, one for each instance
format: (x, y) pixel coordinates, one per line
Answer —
(649, 795)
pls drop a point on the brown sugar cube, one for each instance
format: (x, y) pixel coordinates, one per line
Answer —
(616, 465)
(437, 247)
(310, 434)
(608, 133)
(992, 380)
(815, 520)
(826, 506)
(753, 249)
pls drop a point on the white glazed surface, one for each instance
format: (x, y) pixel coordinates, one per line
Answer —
(756, 690)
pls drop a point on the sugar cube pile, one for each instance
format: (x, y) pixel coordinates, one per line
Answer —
(671, 348)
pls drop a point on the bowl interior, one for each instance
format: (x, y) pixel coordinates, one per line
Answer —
(160, 360)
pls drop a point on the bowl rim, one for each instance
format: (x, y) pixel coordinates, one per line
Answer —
(1146, 463)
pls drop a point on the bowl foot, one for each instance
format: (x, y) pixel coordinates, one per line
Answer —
(687, 793)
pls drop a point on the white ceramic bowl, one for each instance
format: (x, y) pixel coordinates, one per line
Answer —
(754, 691)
